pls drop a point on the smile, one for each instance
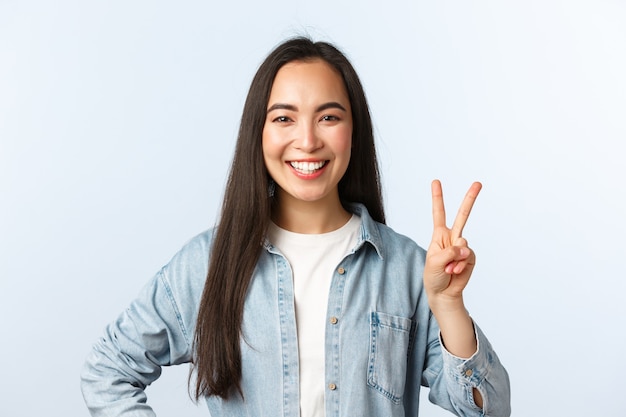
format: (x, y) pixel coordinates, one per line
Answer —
(307, 168)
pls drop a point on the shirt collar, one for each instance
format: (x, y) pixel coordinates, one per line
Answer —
(369, 231)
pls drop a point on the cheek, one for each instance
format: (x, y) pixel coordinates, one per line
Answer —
(343, 141)
(269, 144)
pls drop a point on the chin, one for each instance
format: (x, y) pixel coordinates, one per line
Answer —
(308, 197)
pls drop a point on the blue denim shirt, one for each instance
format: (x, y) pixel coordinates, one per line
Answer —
(382, 341)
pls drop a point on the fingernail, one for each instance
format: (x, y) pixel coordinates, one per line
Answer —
(465, 252)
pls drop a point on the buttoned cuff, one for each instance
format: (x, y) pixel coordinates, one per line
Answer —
(473, 370)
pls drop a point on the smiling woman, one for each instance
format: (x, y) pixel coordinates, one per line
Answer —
(301, 283)
(307, 140)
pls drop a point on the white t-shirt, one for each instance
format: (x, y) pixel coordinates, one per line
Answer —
(313, 259)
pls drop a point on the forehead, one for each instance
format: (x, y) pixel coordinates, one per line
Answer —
(309, 77)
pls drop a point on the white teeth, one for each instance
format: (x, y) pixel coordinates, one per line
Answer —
(307, 167)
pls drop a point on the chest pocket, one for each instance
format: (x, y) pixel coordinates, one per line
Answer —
(389, 344)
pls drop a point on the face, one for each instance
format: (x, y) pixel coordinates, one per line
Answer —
(307, 136)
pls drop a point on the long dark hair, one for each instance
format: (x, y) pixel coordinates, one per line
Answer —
(247, 209)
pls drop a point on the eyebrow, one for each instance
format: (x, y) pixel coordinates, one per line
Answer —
(291, 107)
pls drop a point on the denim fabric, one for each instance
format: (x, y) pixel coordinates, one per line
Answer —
(382, 342)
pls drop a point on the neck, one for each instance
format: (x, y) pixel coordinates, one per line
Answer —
(310, 217)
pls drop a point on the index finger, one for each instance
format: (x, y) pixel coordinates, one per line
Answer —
(439, 211)
(465, 210)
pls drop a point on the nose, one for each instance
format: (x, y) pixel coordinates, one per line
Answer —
(307, 139)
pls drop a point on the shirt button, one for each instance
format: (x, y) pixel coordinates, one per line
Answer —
(332, 387)
(469, 373)
(334, 320)
(341, 270)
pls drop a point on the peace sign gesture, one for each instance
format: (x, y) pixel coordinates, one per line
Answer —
(449, 261)
(449, 265)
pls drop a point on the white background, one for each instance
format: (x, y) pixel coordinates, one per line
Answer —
(118, 121)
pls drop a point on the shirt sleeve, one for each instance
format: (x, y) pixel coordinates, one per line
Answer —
(129, 356)
(452, 380)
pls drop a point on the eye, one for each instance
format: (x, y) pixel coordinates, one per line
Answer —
(281, 119)
(329, 118)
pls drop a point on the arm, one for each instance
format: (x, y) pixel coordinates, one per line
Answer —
(449, 265)
(129, 356)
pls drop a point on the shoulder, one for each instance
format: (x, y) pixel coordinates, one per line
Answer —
(199, 244)
(398, 244)
(388, 243)
(188, 268)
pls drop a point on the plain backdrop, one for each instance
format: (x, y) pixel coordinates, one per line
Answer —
(118, 121)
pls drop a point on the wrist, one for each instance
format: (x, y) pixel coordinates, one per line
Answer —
(456, 326)
(446, 304)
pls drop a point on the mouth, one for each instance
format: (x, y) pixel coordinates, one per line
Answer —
(307, 168)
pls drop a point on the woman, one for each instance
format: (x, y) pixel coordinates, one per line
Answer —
(301, 302)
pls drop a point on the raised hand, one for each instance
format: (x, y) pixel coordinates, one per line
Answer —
(449, 261)
(449, 265)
